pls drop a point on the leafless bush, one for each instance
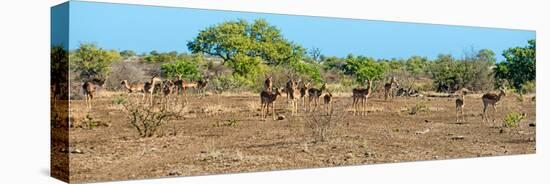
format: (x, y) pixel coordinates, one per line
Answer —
(124, 71)
(148, 118)
(322, 124)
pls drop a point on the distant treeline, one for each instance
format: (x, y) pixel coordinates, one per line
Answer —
(239, 54)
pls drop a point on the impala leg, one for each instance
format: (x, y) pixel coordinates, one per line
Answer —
(457, 114)
(273, 108)
(484, 115)
(364, 105)
(462, 114)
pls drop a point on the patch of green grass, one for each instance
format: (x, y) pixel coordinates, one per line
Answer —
(120, 100)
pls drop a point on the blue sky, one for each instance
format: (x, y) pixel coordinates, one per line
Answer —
(147, 28)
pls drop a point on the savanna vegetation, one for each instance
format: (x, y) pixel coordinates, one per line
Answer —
(146, 122)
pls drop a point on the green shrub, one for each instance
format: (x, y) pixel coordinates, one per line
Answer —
(512, 119)
(181, 69)
(418, 107)
(529, 87)
(120, 100)
(228, 83)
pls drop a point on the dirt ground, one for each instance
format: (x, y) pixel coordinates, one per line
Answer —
(202, 143)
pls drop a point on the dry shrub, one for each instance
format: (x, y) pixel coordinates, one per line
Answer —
(76, 117)
(418, 107)
(148, 118)
(321, 124)
(130, 71)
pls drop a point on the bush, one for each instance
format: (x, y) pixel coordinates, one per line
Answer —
(120, 100)
(529, 87)
(512, 119)
(125, 71)
(418, 107)
(181, 69)
(227, 83)
(321, 124)
(148, 118)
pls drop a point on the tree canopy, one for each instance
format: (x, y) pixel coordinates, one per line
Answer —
(519, 66)
(92, 62)
(245, 45)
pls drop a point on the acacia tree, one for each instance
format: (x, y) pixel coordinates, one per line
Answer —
(244, 45)
(92, 62)
(519, 66)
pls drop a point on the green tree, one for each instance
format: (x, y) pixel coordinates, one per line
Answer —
(477, 74)
(92, 62)
(519, 66)
(364, 68)
(127, 54)
(244, 44)
(416, 65)
(447, 73)
(59, 58)
(307, 71)
(183, 68)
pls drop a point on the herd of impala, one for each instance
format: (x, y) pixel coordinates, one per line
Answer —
(295, 90)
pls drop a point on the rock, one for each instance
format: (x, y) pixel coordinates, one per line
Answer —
(370, 154)
(422, 132)
(348, 156)
(174, 173)
(281, 117)
(63, 150)
(533, 124)
(77, 151)
(458, 137)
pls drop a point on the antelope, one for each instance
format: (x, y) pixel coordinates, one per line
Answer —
(293, 93)
(327, 99)
(303, 92)
(182, 85)
(149, 86)
(268, 84)
(460, 105)
(491, 99)
(201, 85)
(267, 100)
(90, 88)
(388, 88)
(133, 88)
(168, 88)
(360, 96)
(288, 89)
(313, 95)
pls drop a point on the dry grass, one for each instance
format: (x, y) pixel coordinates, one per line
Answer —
(235, 140)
